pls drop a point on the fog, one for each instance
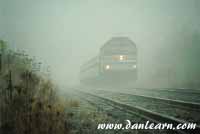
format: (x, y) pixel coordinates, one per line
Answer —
(66, 33)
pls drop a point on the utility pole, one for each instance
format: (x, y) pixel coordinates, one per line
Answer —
(10, 86)
(0, 62)
(2, 49)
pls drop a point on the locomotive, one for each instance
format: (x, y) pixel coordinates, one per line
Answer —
(116, 64)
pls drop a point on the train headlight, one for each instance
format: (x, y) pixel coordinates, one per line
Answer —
(134, 66)
(107, 67)
(121, 57)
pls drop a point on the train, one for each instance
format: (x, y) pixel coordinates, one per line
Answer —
(115, 64)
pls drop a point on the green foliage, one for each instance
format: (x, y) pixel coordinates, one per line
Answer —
(28, 101)
(3, 45)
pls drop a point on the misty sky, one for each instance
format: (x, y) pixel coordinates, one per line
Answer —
(66, 33)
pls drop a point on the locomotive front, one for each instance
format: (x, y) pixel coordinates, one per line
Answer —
(118, 59)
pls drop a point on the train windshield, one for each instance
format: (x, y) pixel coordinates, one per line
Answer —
(115, 51)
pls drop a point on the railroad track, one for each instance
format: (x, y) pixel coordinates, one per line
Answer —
(190, 95)
(174, 94)
(177, 109)
(178, 103)
(144, 113)
(171, 90)
(119, 114)
(187, 111)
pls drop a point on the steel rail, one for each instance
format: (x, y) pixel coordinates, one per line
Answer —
(147, 114)
(181, 104)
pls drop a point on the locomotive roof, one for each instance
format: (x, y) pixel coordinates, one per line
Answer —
(119, 41)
